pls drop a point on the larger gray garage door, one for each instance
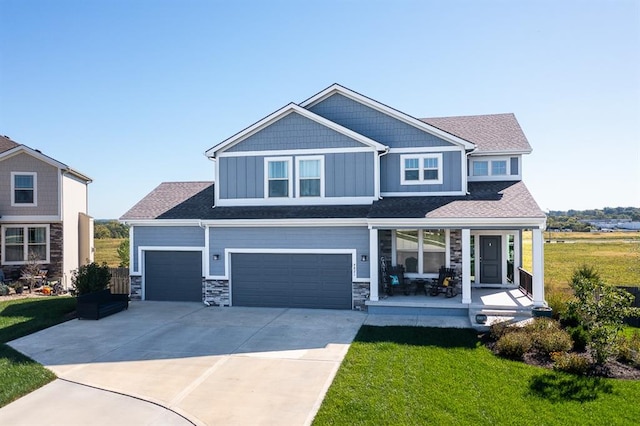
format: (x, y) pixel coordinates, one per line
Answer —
(173, 276)
(291, 280)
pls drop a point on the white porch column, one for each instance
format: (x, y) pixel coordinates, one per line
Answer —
(466, 266)
(517, 256)
(538, 267)
(373, 264)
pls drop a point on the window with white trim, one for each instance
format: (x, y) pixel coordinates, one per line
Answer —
(25, 243)
(23, 188)
(421, 251)
(310, 176)
(498, 168)
(421, 169)
(278, 177)
(481, 168)
(489, 167)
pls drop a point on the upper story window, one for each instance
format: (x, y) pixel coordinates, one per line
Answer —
(495, 168)
(310, 176)
(22, 244)
(421, 169)
(23, 189)
(278, 179)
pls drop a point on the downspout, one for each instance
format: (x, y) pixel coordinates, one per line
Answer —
(466, 178)
(379, 178)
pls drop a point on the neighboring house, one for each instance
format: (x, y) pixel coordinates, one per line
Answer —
(309, 198)
(43, 213)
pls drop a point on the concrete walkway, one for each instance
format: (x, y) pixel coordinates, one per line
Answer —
(183, 363)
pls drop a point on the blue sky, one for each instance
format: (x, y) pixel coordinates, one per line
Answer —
(133, 92)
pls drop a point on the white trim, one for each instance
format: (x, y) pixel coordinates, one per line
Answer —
(292, 201)
(336, 88)
(466, 265)
(216, 181)
(266, 197)
(293, 152)
(496, 153)
(373, 264)
(162, 222)
(252, 223)
(319, 158)
(421, 194)
(281, 113)
(425, 149)
(35, 189)
(440, 223)
(421, 169)
(229, 251)
(537, 248)
(30, 218)
(25, 242)
(40, 156)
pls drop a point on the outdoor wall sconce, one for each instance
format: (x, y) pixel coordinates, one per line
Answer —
(216, 257)
(363, 258)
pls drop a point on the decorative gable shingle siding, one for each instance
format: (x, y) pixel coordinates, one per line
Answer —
(348, 174)
(288, 238)
(390, 174)
(165, 236)
(46, 189)
(374, 124)
(294, 132)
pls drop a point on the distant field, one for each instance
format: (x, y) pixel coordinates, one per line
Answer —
(615, 255)
(106, 251)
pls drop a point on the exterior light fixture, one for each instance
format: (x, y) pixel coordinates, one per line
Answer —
(363, 258)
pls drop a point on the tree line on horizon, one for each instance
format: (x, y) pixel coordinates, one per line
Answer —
(110, 229)
(577, 220)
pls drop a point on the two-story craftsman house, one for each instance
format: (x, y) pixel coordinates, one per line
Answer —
(307, 200)
(43, 213)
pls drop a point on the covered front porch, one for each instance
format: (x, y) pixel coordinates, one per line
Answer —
(487, 260)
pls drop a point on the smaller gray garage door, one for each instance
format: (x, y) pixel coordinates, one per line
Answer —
(291, 280)
(173, 276)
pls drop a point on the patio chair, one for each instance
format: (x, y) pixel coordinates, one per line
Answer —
(446, 283)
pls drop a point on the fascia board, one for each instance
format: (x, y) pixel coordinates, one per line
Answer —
(249, 223)
(283, 112)
(496, 153)
(532, 222)
(385, 109)
(44, 158)
(161, 222)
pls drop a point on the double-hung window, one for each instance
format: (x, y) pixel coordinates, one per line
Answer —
(421, 169)
(310, 176)
(278, 177)
(25, 243)
(23, 189)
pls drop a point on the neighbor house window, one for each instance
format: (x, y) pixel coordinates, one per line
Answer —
(23, 189)
(421, 251)
(278, 179)
(421, 169)
(23, 243)
(310, 171)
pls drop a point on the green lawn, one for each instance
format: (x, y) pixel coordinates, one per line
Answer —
(415, 376)
(20, 375)
(106, 251)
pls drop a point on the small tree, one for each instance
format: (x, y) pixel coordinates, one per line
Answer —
(31, 270)
(90, 278)
(600, 309)
(123, 253)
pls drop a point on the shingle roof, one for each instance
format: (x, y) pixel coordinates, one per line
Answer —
(194, 200)
(486, 200)
(6, 144)
(491, 133)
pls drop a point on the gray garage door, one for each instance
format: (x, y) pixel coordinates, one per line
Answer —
(173, 276)
(291, 280)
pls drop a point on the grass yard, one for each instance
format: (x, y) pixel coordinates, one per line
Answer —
(616, 256)
(20, 375)
(106, 251)
(414, 376)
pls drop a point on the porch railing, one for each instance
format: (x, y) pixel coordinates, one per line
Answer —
(526, 282)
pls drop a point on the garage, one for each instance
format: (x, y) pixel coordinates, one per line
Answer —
(320, 281)
(173, 276)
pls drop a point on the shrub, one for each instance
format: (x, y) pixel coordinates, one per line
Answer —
(547, 336)
(580, 337)
(629, 349)
(499, 329)
(559, 303)
(514, 345)
(570, 362)
(4, 289)
(90, 278)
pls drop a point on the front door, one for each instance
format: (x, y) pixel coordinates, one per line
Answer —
(490, 259)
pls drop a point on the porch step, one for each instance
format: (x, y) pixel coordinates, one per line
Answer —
(388, 309)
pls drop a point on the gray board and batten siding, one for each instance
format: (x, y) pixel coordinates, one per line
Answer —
(390, 172)
(165, 236)
(295, 132)
(347, 174)
(374, 124)
(289, 239)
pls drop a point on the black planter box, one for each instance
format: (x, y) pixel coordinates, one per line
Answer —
(100, 304)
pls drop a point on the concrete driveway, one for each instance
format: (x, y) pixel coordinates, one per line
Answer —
(183, 363)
